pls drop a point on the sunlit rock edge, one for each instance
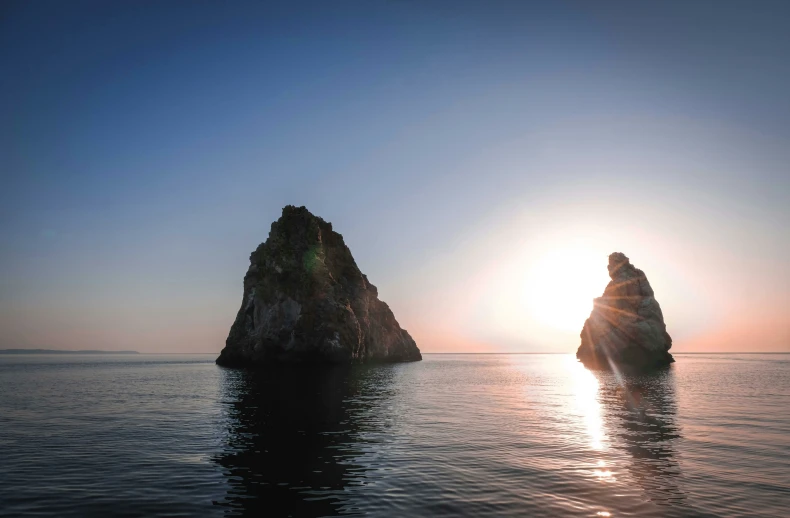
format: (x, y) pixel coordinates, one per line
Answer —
(626, 326)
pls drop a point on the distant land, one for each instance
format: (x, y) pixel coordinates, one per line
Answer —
(61, 351)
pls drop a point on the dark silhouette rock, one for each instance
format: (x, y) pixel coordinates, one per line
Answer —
(626, 327)
(305, 300)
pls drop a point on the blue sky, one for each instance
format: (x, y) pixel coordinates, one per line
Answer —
(145, 148)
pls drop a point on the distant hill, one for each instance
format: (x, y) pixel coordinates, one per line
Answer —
(61, 351)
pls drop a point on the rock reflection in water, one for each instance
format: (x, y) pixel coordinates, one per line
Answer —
(646, 409)
(294, 434)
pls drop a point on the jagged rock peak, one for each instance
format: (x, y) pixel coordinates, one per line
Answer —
(626, 326)
(305, 300)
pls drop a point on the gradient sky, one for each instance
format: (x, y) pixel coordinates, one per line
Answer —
(146, 147)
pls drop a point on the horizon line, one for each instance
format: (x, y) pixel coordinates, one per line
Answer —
(450, 352)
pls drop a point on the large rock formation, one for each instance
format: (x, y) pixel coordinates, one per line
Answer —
(305, 300)
(626, 327)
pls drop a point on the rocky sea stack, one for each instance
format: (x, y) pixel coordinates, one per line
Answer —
(305, 301)
(626, 327)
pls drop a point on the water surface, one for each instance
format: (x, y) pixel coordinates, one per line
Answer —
(453, 435)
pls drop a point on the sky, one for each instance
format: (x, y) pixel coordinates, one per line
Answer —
(481, 160)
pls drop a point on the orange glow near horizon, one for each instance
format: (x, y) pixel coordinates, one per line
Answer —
(524, 280)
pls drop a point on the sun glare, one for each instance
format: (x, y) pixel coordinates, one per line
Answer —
(561, 285)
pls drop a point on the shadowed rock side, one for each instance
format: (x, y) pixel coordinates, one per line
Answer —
(305, 300)
(626, 327)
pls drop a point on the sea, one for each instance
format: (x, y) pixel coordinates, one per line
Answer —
(454, 435)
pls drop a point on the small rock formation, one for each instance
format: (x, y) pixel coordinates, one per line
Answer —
(626, 327)
(305, 300)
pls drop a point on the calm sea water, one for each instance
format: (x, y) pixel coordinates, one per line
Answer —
(453, 435)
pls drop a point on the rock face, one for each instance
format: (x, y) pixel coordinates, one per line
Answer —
(305, 300)
(626, 327)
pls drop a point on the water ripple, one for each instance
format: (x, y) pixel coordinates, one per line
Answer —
(454, 435)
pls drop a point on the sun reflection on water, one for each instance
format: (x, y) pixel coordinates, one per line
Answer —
(586, 403)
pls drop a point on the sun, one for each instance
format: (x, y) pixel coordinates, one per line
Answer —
(561, 284)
